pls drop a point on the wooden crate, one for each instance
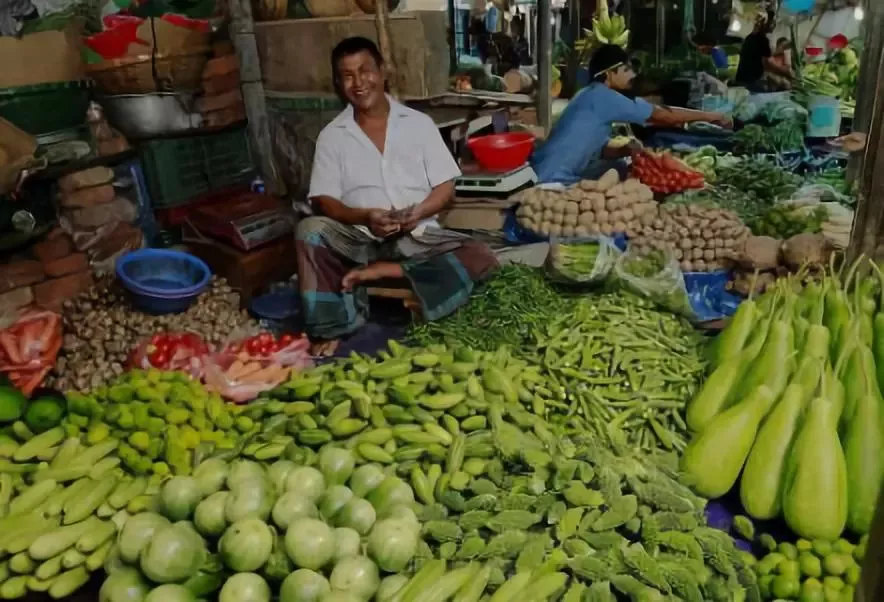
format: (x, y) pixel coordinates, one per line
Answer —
(295, 54)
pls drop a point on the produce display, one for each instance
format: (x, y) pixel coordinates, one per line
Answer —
(707, 160)
(100, 330)
(702, 239)
(603, 206)
(791, 410)
(785, 135)
(785, 220)
(665, 174)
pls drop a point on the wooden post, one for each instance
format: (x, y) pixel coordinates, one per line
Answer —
(380, 20)
(242, 34)
(544, 64)
(869, 218)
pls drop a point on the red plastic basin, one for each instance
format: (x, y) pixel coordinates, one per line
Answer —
(502, 152)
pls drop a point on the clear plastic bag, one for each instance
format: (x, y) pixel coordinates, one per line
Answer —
(29, 345)
(655, 276)
(288, 350)
(176, 351)
(240, 378)
(582, 260)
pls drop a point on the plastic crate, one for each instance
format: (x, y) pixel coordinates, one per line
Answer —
(45, 108)
(180, 169)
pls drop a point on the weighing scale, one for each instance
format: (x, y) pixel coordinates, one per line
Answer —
(246, 221)
(490, 183)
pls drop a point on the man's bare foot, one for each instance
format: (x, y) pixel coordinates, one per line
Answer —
(324, 348)
(375, 271)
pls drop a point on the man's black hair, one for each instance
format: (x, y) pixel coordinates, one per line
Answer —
(351, 46)
(604, 58)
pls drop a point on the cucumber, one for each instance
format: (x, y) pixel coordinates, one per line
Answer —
(58, 540)
(105, 510)
(21, 431)
(68, 582)
(22, 540)
(428, 574)
(14, 587)
(71, 559)
(62, 474)
(122, 495)
(32, 497)
(67, 451)
(81, 507)
(48, 454)
(92, 540)
(39, 585)
(39, 444)
(22, 564)
(49, 568)
(103, 467)
(56, 502)
(96, 559)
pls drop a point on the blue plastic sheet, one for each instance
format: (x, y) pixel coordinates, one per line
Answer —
(709, 297)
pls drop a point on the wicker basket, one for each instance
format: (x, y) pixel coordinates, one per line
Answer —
(144, 74)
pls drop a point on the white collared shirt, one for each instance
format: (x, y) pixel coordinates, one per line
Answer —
(347, 166)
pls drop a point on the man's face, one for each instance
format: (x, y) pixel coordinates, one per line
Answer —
(621, 78)
(361, 80)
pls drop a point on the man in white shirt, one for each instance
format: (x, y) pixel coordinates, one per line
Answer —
(381, 173)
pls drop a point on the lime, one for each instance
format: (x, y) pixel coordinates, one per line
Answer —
(810, 565)
(822, 547)
(788, 550)
(784, 587)
(851, 575)
(859, 552)
(811, 591)
(803, 545)
(790, 569)
(764, 585)
(836, 564)
(833, 583)
(843, 546)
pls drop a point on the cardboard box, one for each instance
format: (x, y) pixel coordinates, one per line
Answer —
(17, 150)
(476, 214)
(41, 58)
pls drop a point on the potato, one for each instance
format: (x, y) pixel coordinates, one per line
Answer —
(586, 219)
(630, 232)
(708, 254)
(717, 243)
(615, 190)
(568, 231)
(678, 254)
(707, 234)
(632, 185)
(610, 179)
(572, 208)
(571, 219)
(555, 230)
(606, 229)
(612, 203)
(581, 231)
(558, 218)
(588, 185)
(585, 205)
(530, 224)
(602, 217)
(619, 226)
(686, 266)
(599, 202)
(696, 253)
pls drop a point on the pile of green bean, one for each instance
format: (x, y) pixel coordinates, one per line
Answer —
(613, 362)
(504, 310)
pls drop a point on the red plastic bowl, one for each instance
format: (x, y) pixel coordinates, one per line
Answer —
(502, 152)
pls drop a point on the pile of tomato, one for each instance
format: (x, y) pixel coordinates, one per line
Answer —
(171, 351)
(265, 344)
(664, 174)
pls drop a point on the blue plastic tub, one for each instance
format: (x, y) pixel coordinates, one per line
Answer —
(162, 281)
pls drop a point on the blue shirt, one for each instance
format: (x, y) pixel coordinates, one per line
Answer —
(583, 131)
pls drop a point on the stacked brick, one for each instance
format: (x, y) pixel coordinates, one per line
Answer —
(221, 102)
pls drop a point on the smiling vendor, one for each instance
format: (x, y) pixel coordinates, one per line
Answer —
(577, 147)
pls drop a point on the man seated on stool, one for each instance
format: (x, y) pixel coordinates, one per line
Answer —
(381, 173)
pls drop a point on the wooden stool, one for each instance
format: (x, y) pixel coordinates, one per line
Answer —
(397, 289)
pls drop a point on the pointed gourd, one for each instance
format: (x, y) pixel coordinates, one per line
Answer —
(712, 461)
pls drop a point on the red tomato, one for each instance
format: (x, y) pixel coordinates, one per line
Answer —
(265, 337)
(286, 339)
(159, 359)
(253, 346)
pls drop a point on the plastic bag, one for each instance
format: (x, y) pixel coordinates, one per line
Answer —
(239, 378)
(286, 350)
(176, 351)
(582, 260)
(29, 346)
(655, 276)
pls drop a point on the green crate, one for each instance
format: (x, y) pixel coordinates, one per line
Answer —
(178, 169)
(45, 108)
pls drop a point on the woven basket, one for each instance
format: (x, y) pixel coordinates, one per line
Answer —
(144, 74)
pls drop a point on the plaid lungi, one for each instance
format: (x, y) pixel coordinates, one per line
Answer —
(441, 266)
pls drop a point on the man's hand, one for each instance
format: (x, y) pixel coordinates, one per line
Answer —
(409, 218)
(854, 142)
(381, 224)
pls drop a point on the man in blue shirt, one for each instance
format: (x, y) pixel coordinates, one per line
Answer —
(577, 147)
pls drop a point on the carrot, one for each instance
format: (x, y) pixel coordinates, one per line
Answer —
(29, 335)
(269, 374)
(48, 330)
(237, 373)
(10, 347)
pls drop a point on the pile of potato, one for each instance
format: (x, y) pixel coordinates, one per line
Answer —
(604, 206)
(703, 239)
